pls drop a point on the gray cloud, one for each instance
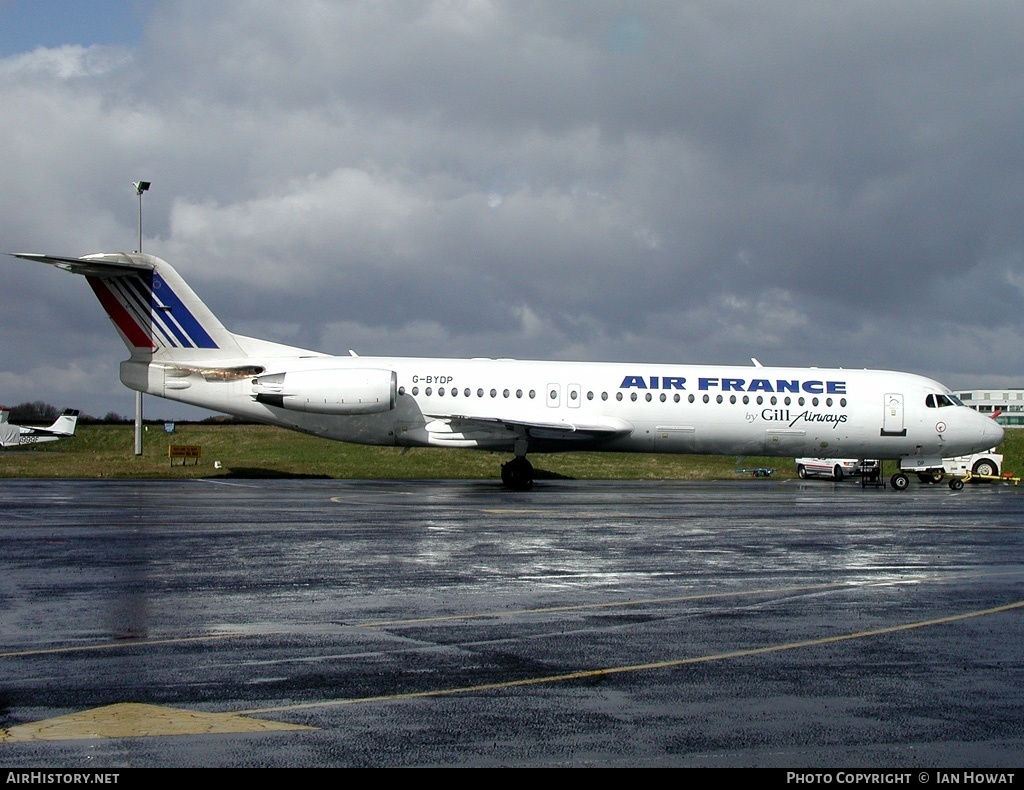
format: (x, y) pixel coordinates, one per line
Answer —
(805, 182)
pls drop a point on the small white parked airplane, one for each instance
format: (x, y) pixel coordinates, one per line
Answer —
(18, 435)
(179, 350)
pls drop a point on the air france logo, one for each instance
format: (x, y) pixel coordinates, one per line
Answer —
(708, 384)
(774, 413)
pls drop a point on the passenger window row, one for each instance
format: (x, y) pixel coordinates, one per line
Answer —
(758, 400)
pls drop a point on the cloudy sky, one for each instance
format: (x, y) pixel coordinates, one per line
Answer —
(808, 183)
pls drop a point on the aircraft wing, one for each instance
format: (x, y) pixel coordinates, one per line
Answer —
(89, 265)
(607, 428)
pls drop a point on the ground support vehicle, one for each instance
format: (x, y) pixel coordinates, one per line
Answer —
(956, 483)
(978, 466)
(837, 468)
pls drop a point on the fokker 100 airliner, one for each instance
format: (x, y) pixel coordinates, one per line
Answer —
(179, 350)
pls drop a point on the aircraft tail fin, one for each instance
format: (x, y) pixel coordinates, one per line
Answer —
(65, 424)
(154, 310)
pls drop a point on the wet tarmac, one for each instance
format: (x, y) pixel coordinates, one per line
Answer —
(300, 623)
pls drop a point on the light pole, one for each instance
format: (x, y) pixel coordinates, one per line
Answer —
(140, 187)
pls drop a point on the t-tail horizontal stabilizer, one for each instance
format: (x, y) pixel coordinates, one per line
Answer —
(151, 306)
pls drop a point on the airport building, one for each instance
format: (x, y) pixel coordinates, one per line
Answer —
(1008, 403)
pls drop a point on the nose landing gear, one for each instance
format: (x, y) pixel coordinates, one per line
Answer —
(899, 482)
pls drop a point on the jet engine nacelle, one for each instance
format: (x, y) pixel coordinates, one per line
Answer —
(335, 391)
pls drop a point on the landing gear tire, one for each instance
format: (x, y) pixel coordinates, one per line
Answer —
(801, 472)
(986, 467)
(956, 484)
(517, 474)
(934, 476)
(899, 482)
(837, 473)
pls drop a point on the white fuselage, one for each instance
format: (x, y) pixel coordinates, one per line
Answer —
(180, 350)
(705, 409)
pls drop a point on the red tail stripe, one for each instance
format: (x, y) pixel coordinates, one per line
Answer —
(122, 319)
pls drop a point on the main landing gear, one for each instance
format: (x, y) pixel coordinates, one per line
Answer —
(517, 474)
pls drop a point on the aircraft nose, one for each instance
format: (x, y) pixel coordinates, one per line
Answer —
(993, 432)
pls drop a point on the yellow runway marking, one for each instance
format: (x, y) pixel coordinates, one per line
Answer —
(137, 720)
(132, 720)
(593, 673)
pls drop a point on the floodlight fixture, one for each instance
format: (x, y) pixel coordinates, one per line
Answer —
(141, 186)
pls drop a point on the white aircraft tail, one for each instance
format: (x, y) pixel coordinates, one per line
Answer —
(170, 332)
(151, 306)
(65, 424)
(158, 316)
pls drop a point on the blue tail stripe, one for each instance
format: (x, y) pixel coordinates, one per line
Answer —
(174, 336)
(136, 293)
(165, 318)
(179, 313)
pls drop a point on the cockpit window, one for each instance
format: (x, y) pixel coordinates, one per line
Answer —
(938, 400)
